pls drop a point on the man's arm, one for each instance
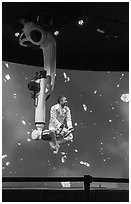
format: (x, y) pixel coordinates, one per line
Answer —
(68, 119)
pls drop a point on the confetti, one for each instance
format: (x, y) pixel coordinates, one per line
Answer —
(100, 31)
(7, 163)
(66, 77)
(63, 153)
(63, 159)
(7, 76)
(6, 64)
(85, 163)
(23, 122)
(28, 133)
(125, 97)
(4, 156)
(85, 107)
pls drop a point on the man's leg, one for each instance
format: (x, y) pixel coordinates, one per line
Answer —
(65, 139)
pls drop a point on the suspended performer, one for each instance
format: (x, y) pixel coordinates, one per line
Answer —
(60, 125)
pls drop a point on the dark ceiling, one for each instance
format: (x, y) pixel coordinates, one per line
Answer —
(78, 47)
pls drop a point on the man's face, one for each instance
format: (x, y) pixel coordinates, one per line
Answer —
(63, 101)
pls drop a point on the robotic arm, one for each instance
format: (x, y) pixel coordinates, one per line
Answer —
(44, 81)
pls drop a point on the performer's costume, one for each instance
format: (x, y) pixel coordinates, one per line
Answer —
(60, 125)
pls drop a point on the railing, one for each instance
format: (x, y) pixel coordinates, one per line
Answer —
(87, 179)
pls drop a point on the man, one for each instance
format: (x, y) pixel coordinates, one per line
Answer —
(60, 124)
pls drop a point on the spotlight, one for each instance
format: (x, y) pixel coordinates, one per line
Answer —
(17, 34)
(56, 32)
(80, 22)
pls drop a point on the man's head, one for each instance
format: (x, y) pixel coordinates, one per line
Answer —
(62, 100)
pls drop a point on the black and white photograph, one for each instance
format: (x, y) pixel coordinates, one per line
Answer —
(65, 101)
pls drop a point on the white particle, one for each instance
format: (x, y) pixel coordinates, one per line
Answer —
(28, 133)
(19, 143)
(85, 163)
(14, 95)
(63, 159)
(101, 149)
(76, 150)
(68, 144)
(123, 120)
(90, 111)
(16, 114)
(75, 124)
(125, 97)
(95, 91)
(26, 78)
(100, 95)
(56, 32)
(108, 158)
(4, 156)
(24, 123)
(100, 31)
(108, 72)
(28, 139)
(118, 85)
(114, 138)
(85, 107)
(104, 160)
(3, 167)
(64, 74)
(110, 121)
(63, 153)
(6, 64)
(7, 76)
(7, 163)
(116, 101)
(10, 172)
(112, 108)
(101, 143)
(102, 153)
(54, 168)
(21, 159)
(122, 75)
(80, 22)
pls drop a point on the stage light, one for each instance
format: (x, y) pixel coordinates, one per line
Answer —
(80, 22)
(56, 32)
(17, 34)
